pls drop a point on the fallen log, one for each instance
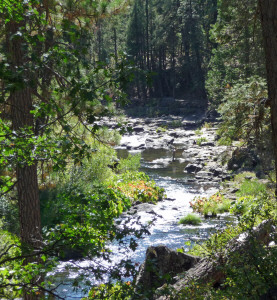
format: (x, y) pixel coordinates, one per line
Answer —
(211, 270)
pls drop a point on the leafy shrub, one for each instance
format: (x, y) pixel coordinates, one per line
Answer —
(138, 187)
(116, 291)
(132, 163)
(207, 125)
(210, 206)
(190, 219)
(9, 213)
(249, 274)
(244, 114)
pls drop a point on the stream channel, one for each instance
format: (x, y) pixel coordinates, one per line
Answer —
(180, 189)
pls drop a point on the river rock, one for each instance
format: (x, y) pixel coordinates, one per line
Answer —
(160, 264)
(193, 168)
(206, 144)
(243, 158)
(138, 129)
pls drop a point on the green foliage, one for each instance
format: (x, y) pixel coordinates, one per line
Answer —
(252, 188)
(190, 219)
(168, 38)
(161, 129)
(132, 163)
(201, 140)
(117, 291)
(211, 206)
(176, 123)
(241, 205)
(248, 275)
(9, 214)
(138, 187)
(251, 273)
(243, 111)
(198, 132)
(251, 195)
(47, 62)
(207, 125)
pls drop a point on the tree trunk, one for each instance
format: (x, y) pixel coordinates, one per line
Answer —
(268, 13)
(27, 182)
(115, 43)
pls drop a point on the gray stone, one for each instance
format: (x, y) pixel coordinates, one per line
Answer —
(138, 129)
(193, 168)
(206, 144)
(160, 263)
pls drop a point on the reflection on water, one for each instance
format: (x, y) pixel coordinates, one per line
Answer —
(158, 164)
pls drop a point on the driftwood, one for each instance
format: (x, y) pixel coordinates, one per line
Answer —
(211, 271)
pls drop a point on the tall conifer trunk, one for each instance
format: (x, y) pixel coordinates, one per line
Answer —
(26, 174)
(268, 13)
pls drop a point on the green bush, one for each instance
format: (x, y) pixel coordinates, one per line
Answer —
(243, 113)
(190, 219)
(132, 163)
(211, 206)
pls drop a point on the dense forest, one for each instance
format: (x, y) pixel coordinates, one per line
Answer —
(70, 68)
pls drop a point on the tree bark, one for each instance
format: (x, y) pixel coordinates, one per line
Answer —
(27, 181)
(268, 13)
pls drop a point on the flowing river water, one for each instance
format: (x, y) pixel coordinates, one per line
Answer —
(180, 189)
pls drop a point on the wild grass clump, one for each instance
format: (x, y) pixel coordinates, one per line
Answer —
(176, 123)
(198, 132)
(201, 140)
(190, 219)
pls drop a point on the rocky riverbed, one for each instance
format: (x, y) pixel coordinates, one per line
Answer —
(195, 149)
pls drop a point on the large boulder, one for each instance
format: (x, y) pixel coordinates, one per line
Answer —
(161, 264)
(243, 158)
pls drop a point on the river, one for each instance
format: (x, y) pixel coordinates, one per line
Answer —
(180, 189)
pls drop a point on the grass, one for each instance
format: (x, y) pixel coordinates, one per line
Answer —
(251, 187)
(190, 219)
(198, 132)
(201, 140)
(207, 125)
(161, 129)
(176, 123)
